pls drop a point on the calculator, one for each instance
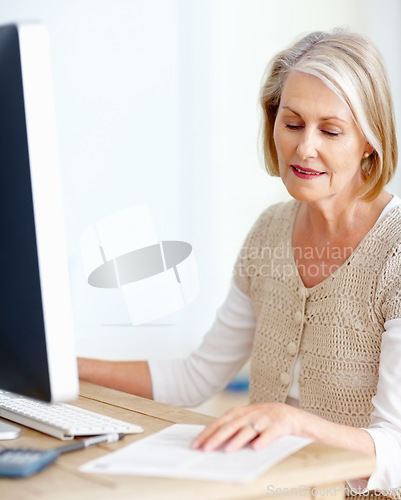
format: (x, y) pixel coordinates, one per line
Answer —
(23, 462)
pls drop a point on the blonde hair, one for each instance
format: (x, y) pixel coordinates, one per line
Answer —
(352, 67)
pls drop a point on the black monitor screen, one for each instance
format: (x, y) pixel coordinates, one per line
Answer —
(23, 344)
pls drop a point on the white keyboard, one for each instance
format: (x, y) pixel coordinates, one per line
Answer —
(60, 420)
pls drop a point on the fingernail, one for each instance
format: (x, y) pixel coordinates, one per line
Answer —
(195, 444)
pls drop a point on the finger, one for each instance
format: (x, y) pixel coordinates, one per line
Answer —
(219, 434)
(250, 431)
(242, 438)
(212, 428)
(201, 438)
(267, 436)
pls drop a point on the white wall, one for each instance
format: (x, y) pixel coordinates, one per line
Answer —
(156, 103)
(384, 20)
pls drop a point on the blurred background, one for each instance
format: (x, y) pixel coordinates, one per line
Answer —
(156, 104)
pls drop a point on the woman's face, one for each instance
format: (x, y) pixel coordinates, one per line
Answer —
(318, 144)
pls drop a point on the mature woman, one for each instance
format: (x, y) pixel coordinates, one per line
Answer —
(316, 296)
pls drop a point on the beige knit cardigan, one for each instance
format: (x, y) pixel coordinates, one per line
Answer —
(335, 327)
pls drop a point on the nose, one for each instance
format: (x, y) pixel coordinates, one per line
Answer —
(307, 145)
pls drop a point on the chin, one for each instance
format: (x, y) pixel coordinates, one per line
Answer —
(306, 194)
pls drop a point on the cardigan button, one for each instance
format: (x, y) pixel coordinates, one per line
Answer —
(285, 379)
(292, 348)
(298, 317)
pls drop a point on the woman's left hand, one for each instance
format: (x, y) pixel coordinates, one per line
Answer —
(256, 425)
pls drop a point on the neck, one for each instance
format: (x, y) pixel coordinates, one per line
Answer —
(327, 221)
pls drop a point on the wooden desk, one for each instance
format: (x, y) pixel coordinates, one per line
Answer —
(314, 466)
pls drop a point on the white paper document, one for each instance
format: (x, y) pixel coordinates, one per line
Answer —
(167, 454)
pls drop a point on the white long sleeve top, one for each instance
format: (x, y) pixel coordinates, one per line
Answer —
(227, 346)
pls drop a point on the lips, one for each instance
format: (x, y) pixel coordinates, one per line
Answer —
(305, 173)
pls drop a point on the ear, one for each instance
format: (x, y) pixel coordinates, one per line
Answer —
(368, 149)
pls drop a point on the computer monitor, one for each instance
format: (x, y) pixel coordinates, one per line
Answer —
(37, 357)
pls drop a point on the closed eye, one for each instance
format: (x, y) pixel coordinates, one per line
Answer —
(331, 134)
(299, 127)
(293, 127)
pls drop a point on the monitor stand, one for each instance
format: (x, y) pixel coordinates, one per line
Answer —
(8, 431)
